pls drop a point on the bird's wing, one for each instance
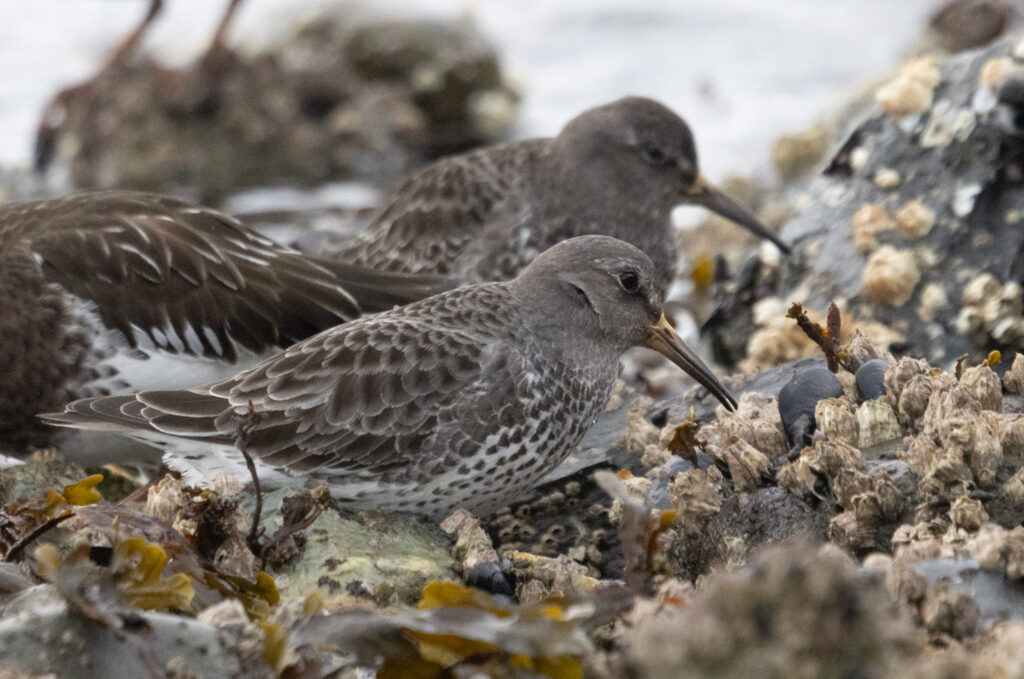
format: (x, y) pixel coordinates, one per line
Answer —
(443, 208)
(367, 396)
(188, 279)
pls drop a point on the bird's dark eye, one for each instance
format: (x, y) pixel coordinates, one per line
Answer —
(629, 281)
(654, 156)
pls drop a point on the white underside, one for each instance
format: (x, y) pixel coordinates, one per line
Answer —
(123, 369)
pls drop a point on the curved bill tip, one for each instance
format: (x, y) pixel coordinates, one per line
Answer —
(664, 339)
(710, 196)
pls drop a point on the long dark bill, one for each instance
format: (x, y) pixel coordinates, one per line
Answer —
(664, 339)
(710, 196)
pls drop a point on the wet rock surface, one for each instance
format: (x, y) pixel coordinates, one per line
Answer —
(934, 256)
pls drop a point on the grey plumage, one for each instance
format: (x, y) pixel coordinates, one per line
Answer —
(616, 170)
(463, 399)
(91, 283)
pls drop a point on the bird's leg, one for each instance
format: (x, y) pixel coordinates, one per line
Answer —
(253, 540)
(127, 48)
(245, 425)
(297, 514)
(217, 50)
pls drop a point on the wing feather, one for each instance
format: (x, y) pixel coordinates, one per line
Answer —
(441, 210)
(161, 269)
(369, 395)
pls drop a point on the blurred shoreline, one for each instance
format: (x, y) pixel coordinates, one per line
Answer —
(741, 72)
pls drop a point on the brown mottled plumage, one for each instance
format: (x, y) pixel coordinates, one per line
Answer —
(118, 291)
(616, 170)
(463, 399)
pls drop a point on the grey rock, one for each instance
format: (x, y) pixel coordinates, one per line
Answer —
(997, 597)
(962, 160)
(40, 633)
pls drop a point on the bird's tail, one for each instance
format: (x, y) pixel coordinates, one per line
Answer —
(101, 413)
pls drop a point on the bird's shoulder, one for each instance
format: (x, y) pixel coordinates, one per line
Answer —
(443, 207)
(453, 334)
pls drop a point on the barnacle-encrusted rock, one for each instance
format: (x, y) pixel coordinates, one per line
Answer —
(868, 222)
(887, 178)
(906, 584)
(876, 423)
(982, 383)
(748, 466)
(694, 498)
(473, 546)
(985, 454)
(1013, 380)
(949, 611)
(890, 276)
(900, 374)
(993, 73)
(937, 467)
(803, 480)
(836, 420)
(993, 310)
(956, 160)
(889, 497)
(980, 288)
(840, 466)
(336, 98)
(911, 90)
(915, 219)
(955, 403)
(913, 401)
(655, 455)
(917, 542)
(796, 154)
(848, 484)
(640, 433)
(1013, 489)
(852, 532)
(778, 339)
(1001, 549)
(967, 513)
(755, 422)
(829, 457)
(538, 577)
(862, 348)
(933, 301)
(956, 422)
(795, 611)
(868, 509)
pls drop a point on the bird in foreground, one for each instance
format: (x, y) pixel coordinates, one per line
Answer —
(464, 399)
(616, 170)
(116, 292)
